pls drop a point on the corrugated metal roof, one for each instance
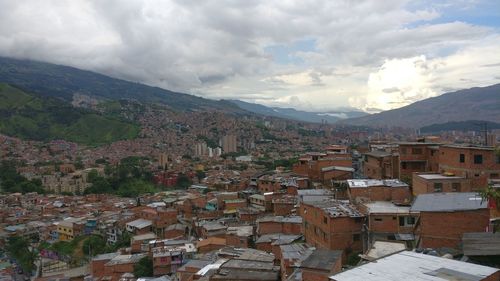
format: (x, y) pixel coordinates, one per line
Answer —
(446, 202)
(414, 266)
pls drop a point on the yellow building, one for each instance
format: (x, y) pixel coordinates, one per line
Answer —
(69, 228)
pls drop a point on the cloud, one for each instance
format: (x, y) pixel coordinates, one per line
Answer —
(325, 53)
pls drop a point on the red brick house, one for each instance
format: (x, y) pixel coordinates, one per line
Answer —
(379, 190)
(332, 224)
(445, 217)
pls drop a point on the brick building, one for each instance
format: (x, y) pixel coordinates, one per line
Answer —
(321, 264)
(279, 224)
(387, 221)
(476, 163)
(381, 165)
(379, 190)
(429, 183)
(311, 164)
(417, 157)
(445, 217)
(332, 224)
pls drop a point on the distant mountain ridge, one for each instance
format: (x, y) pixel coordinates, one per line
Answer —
(479, 103)
(469, 125)
(60, 81)
(63, 82)
(298, 115)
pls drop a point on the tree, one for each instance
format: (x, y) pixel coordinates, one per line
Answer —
(183, 181)
(144, 268)
(492, 194)
(94, 245)
(20, 249)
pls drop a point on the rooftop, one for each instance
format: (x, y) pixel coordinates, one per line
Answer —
(337, 168)
(242, 231)
(124, 259)
(322, 259)
(146, 236)
(140, 223)
(381, 207)
(378, 153)
(438, 177)
(337, 208)
(417, 267)
(446, 202)
(364, 183)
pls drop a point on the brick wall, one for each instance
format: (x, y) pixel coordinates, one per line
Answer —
(445, 229)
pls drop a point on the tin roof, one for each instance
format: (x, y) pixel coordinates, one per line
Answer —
(447, 202)
(414, 266)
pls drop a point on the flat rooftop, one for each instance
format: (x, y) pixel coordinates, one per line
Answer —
(438, 177)
(408, 265)
(364, 183)
(381, 207)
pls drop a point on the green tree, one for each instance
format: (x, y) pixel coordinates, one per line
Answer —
(20, 249)
(183, 181)
(94, 245)
(144, 268)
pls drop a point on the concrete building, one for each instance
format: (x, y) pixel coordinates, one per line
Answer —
(229, 144)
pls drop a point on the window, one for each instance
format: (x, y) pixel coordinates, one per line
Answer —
(356, 237)
(494, 175)
(378, 219)
(406, 221)
(416, 151)
(462, 158)
(455, 187)
(403, 165)
(478, 159)
(497, 159)
(438, 187)
(403, 150)
(325, 220)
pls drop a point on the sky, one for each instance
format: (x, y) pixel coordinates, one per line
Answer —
(313, 55)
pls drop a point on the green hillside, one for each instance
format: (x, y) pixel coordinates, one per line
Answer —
(30, 117)
(57, 81)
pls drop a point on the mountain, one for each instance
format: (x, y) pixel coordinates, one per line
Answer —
(30, 117)
(469, 125)
(63, 82)
(290, 113)
(480, 103)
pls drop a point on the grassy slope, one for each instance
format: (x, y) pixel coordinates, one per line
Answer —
(29, 117)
